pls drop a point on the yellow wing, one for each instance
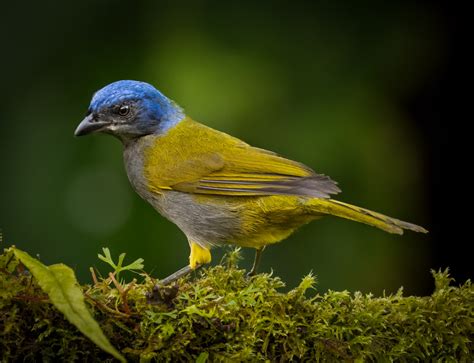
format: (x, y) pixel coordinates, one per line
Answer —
(194, 158)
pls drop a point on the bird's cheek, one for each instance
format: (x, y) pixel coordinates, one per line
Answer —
(113, 128)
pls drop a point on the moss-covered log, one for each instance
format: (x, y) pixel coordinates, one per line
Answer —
(223, 315)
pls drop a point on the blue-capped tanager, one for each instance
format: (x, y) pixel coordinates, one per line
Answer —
(216, 188)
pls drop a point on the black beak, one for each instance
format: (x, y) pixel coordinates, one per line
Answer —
(90, 125)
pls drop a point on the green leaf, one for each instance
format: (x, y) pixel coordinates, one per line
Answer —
(60, 283)
(120, 261)
(202, 358)
(135, 265)
(107, 258)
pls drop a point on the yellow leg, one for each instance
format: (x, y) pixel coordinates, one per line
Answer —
(199, 255)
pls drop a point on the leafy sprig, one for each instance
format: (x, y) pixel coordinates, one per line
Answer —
(118, 267)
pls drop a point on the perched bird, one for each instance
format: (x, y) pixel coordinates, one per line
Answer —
(216, 188)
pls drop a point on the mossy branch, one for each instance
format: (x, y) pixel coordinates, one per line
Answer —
(223, 315)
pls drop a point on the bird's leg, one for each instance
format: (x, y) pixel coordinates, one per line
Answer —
(256, 261)
(177, 275)
(198, 257)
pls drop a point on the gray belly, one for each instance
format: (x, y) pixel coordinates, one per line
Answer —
(202, 222)
(205, 223)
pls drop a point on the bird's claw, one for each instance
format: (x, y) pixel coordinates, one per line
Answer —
(162, 294)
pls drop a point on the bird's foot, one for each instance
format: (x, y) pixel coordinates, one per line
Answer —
(165, 291)
(162, 294)
(252, 272)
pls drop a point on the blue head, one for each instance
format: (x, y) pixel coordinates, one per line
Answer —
(129, 109)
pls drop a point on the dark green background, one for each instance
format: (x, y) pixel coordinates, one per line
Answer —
(329, 85)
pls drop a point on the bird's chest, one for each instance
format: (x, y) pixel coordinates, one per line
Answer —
(134, 159)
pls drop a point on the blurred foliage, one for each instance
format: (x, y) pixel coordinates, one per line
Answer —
(223, 315)
(318, 82)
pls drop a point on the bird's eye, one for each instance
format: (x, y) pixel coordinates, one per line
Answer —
(123, 110)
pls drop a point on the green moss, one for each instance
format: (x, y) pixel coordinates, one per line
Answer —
(222, 315)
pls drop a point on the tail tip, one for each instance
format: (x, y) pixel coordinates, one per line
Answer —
(414, 228)
(421, 229)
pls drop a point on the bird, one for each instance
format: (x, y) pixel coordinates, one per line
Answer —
(216, 188)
